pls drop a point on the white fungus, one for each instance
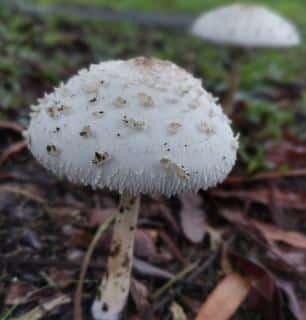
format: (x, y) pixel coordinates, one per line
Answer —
(246, 25)
(160, 150)
(133, 163)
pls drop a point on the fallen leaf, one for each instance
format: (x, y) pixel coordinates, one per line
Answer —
(144, 245)
(60, 278)
(140, 295)
(272, 233)
(192, 217)
(99, 216)
(173, 247)
(283, 198)
(11, 126)
(177, 312)
(268, 231)
(266, 176)
(11, 151)
(44, 308)
(287, 153)
(148, 269)
(16, 293)
(161, 210)
(226, 298)
(297, 303)
(268, 286)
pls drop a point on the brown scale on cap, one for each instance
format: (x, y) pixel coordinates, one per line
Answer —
(116, 248)
(150, 62)
(120, 102)
(145, 100)
(171, 166)
(194, 104)
(55, 111)
(98, 114)
(126, 261)
(93, 98)
(105, 307)
(100, 158)
(52, 150)
(86, 132)
(134, 124)
(173, 127)
(65, 110)
(206, 128)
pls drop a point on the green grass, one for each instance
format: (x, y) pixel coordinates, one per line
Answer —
(293, 9)
(274, 64)
(289, 7)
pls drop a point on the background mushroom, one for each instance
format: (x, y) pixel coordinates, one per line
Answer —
(244, 27)
(141, 126)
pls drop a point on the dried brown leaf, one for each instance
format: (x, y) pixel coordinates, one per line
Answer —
(11, 126)
(144, 245)
(40, 311)
(226, 298)
(99, 216)
(192, 217)
(140, 295)
(283, 198)
(272, 233)
(177, 312)
(16, 293)
(11, 151)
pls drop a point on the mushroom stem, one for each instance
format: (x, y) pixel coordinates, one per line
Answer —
(233, 80)
(115, 285)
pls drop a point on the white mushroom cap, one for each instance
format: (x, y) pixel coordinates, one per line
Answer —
(246, 25)
(137, 126)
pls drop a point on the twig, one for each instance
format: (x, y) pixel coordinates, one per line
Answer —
(171, 282)
(21, 192)
(267, 176)
(8, 313)
(204, 265)
(11, 150)
(11, 126)
(173, 248)
(79, 290)
(39, 312)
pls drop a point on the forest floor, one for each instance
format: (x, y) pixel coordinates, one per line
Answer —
(253, 225)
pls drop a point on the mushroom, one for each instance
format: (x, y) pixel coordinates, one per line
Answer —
(147, 161)
(244, 27)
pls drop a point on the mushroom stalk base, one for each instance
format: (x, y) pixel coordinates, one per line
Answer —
(115, 285)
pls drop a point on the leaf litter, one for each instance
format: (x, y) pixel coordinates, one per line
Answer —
(241, 245)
